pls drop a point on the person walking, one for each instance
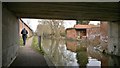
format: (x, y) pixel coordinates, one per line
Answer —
(24, 33)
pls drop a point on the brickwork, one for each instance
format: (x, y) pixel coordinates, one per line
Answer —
(23, 25)
(71, 33)
(104, 30)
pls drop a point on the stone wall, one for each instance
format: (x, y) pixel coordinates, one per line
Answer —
(10, 36)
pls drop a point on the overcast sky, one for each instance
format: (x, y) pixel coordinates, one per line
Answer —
(67, 23)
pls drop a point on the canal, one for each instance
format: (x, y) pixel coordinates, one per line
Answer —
(76, 53)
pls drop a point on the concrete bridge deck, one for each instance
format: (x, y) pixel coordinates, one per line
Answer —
(12, 12)
(28, 57)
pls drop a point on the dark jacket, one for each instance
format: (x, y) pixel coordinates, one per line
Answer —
(24, 31)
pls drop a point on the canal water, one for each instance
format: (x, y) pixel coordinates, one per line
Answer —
(76, 53)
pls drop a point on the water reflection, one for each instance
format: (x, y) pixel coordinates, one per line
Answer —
(58, 53)
(73, 53)
(93, 62)
(71, 45)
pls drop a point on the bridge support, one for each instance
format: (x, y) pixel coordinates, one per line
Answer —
(0, 34)
(10, 36)
(114, 38)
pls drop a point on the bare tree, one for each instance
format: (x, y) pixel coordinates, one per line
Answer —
(50, 27)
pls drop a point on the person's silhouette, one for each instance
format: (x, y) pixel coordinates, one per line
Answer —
(24, 33)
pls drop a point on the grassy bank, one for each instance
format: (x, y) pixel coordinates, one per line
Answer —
(35, 45)
(21, 41)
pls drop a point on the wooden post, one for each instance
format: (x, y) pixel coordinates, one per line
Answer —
(39, 41)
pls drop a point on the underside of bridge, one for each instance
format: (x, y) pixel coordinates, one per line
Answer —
(12, 11)
(64, 10)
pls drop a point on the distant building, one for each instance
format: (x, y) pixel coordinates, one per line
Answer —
(82, 31)
(104, 31)
(77, 32)
(23, 25)
(93, 32)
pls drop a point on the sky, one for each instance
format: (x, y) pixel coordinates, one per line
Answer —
(32, 23)
(94, 22)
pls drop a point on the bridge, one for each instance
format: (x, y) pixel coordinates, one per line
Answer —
(96, 11)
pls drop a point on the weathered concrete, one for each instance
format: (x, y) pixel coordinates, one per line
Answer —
(0, 34)
(60, 0)
(66, 10)
(114, 38)
(10, 36)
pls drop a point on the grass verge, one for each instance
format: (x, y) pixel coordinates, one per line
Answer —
(35, 45)
(21, 41)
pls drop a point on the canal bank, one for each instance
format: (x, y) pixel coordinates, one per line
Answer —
(36, 46)
(74, 53)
